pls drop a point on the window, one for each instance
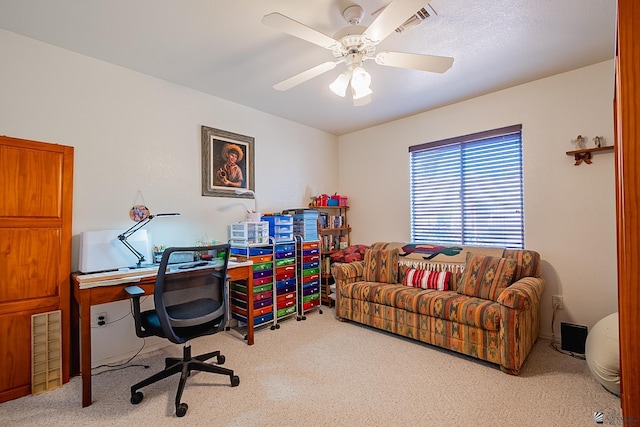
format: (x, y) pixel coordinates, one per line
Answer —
(468, 190)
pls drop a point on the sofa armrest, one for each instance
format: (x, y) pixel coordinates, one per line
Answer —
(519, 322)
(523, 294)
(347, 272)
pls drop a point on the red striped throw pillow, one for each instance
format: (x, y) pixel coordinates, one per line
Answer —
(426, 279)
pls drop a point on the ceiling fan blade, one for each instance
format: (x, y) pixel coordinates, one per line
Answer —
(391, 18)
(296, 29)
(306, 75)
(414, 61)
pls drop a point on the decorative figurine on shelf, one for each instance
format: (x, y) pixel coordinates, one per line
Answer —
(597, 140)
(579, 142)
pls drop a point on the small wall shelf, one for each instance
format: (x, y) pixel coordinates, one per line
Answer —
(584, 154)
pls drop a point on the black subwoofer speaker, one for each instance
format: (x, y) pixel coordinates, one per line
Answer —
(573, 337)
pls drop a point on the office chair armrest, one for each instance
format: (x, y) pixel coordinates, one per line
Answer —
(135, 292)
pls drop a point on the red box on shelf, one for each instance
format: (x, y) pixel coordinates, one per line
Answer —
(341, 200)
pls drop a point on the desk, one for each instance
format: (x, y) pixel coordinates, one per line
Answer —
(83, 299)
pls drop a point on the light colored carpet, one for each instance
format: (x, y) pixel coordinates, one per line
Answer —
(322, 372)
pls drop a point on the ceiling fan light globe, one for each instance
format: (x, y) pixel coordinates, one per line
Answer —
(339, 85)
(360, 81)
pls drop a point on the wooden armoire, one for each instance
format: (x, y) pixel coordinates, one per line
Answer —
(36, 195)
(627, 115)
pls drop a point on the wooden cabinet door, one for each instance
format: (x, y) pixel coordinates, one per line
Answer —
(36, 194)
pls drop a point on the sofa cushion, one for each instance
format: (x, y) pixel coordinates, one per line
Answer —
(381, 265)
(427, 279)
(486, 277)
(446, 305)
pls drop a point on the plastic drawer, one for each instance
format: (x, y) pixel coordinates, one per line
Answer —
(310, 258)
(310, 271)
(285, 283)
(240, 303)
(256, 259)
(308, 298)
(262, 273)
(310, 245)
(285, 275)
(285, 311)
(263, 266)
(310, 277)
(312, 264)
(285, 254)
(242, 251)
(285, 261)
(262, 295)
(262, 310)
(285, 248)
(285, 268)
(257, 320)
(285, 290)
(310, 290)
(311, 283)
(238, 295)
(286, 300)
(262, 303)
(261, 281)
(310, 304)
(308, 252)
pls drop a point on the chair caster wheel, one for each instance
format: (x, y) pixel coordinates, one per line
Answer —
(221, 360)
(235, 380)
(181, 410)
(136, 397)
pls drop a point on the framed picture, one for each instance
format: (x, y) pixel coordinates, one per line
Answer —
(227, 163)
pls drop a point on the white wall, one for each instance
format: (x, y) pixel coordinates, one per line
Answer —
(133, 132)
(569, 210)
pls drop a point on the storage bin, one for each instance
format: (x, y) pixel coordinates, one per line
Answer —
(263, 266)
(285, 283)
(261, 281)
(310, 304)
(308, 265)
(310, 271)
(285, 311)
(283, 254)
(249, 232)
(286, 300)
(285, 261)
(310, 277)
(312, 297)
(286, 248)
(263, 288)
(314, 282)
(310, 290)
(285, 290)
(242, 251)
(262, 311)
(262, 295)
(263, 303)
(339, 200)
(309, 252)
(310, 245)
(256, 259)
(286, 237)
(262, 273)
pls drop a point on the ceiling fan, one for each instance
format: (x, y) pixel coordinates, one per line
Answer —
(355, 44)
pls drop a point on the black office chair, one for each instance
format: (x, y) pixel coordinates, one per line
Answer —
(188, 305)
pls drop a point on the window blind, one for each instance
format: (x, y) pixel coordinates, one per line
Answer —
(468, 190)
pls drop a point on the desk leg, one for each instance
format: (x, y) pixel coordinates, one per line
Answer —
(250, 307)
(85, 344)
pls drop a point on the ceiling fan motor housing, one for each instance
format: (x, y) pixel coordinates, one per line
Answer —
(353, 14)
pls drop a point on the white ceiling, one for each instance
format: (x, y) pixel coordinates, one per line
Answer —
(220, 47)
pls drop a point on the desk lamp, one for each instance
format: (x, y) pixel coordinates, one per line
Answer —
(255, 215)
(123, 237)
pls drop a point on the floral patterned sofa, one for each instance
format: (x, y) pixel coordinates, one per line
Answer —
(482, 302)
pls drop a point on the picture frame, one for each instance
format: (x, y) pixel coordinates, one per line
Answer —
(227, 164)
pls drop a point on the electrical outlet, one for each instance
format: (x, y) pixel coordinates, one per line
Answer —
(556, 302)
(99, 319)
